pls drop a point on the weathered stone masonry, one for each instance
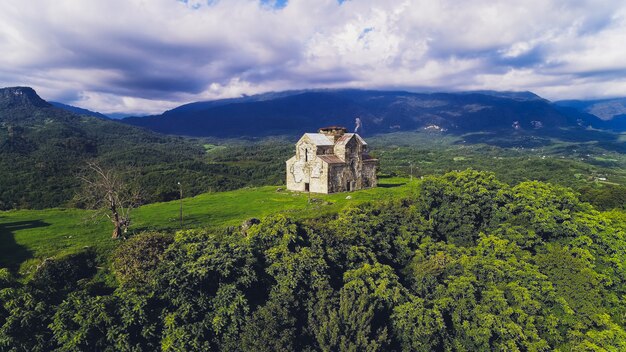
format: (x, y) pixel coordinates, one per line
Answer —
(331, 161)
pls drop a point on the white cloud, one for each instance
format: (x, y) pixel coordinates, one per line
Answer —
(146, 56)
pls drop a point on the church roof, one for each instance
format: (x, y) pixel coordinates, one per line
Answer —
(360, 139)
(319, 139)
(331, 159)
(346, 137)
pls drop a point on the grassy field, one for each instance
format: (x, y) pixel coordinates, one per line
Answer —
(29, 236)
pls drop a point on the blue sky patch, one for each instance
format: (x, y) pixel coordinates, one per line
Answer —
(275, 4)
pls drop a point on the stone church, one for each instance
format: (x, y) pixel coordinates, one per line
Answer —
(331, 161)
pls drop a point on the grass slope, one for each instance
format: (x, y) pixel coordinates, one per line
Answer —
(29, 236)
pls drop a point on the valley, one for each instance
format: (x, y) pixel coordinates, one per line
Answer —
(598, 174)
(452, 209)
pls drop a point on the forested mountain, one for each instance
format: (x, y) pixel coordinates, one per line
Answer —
(466, 263)
(380, 111)
(42, 149)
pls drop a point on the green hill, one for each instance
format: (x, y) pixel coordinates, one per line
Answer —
(29, 236)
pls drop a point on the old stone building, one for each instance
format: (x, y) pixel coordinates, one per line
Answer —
(331, 161)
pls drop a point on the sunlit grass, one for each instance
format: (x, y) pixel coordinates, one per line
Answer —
(29, 236)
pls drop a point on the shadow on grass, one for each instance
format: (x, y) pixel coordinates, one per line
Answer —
(390, 185)
(11, 253)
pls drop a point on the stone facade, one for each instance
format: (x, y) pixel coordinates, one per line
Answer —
(331, 161)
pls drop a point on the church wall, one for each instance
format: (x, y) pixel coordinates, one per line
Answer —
(295, 178)
(369, 175)
(320, 184)
(300, 172)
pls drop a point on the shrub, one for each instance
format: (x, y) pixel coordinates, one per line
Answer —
(137, 257)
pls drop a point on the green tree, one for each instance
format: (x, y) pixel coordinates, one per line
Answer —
(461, 204)
(206, 281)
(548, 210)
(417, 326)
(366, 303)
(496, 300)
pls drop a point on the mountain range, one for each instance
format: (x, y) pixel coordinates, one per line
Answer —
(295, 112)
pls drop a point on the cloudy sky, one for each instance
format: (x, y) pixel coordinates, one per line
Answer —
(146, 56)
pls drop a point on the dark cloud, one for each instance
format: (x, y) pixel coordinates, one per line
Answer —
(156, 86)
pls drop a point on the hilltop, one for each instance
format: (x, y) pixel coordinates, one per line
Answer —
(29, 236)
(43, 147)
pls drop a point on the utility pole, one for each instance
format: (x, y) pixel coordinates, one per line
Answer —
(181, 204)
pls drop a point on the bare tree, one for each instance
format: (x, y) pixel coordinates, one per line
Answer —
(105, 191)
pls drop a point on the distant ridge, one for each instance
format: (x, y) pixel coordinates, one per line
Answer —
(606, 109)
(79, 111)
(521, 96)
(295, 112)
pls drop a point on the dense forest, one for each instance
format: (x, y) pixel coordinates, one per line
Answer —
(465, 263)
